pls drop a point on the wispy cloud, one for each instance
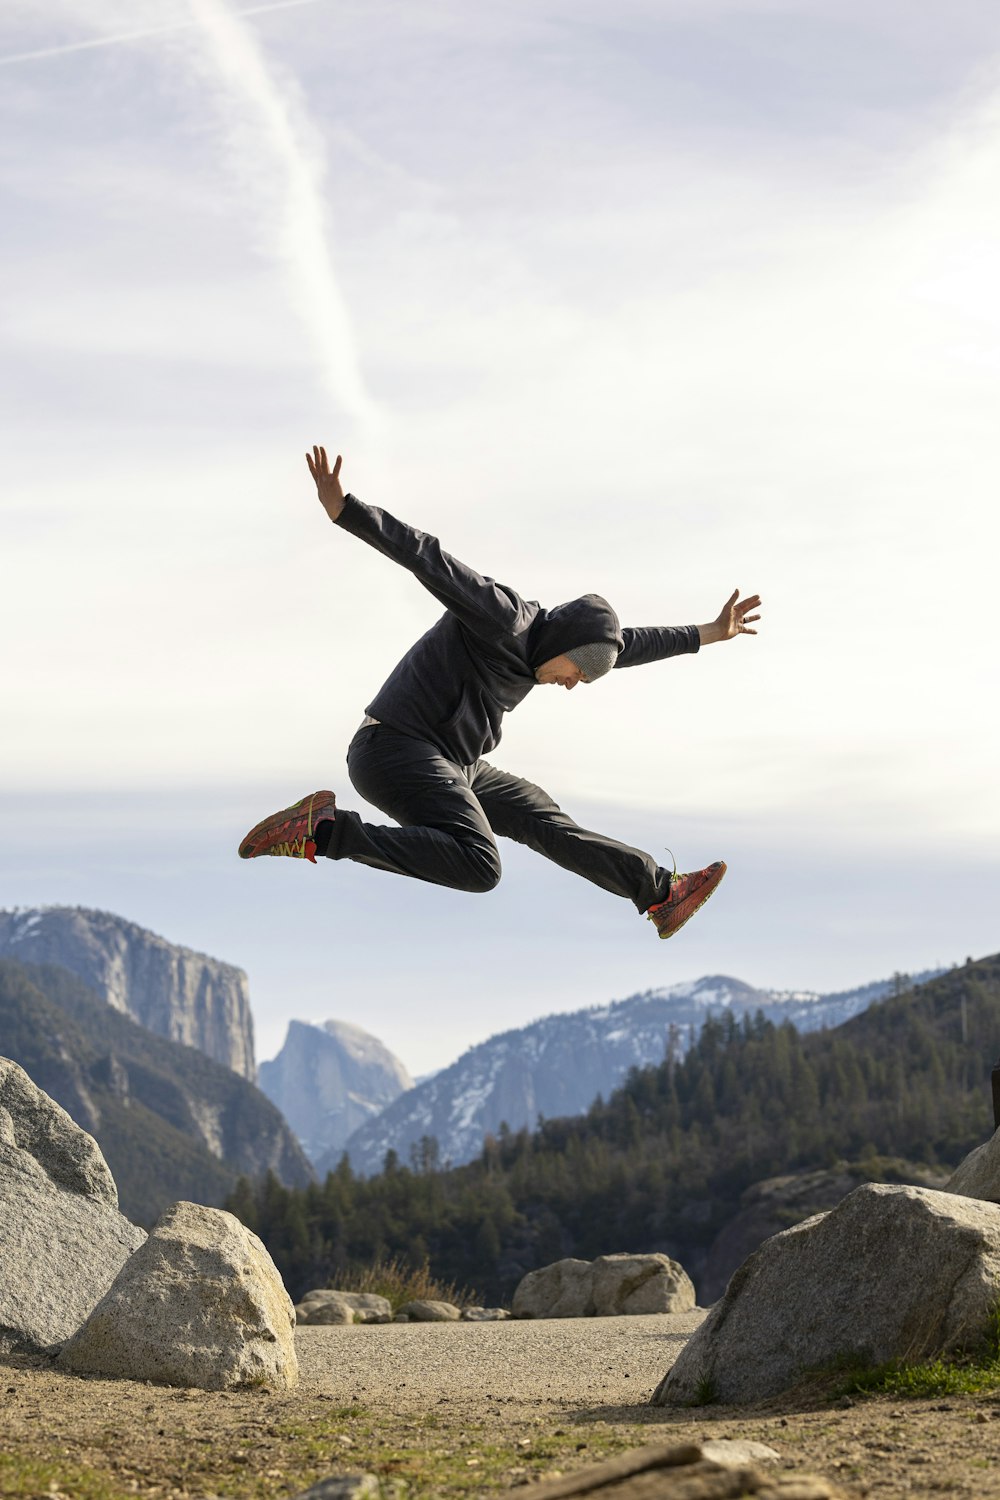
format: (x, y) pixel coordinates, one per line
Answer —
(88, 44)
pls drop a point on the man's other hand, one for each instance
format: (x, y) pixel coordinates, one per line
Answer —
(328, 486)
(733, 619)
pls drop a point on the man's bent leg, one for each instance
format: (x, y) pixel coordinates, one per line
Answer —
(444, 838)
(519, 810)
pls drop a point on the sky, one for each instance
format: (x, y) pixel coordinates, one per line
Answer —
(648, 299)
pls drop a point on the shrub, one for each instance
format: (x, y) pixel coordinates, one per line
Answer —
(400, 1282)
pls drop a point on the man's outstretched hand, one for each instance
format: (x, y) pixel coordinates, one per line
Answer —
(734, 619)
(328, 486)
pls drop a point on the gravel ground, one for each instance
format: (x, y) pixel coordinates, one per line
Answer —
(582, 1361)
(455, 1412)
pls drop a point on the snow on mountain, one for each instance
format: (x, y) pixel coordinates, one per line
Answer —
(559, 1064)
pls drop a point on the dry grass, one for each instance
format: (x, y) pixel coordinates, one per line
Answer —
(401, 1282)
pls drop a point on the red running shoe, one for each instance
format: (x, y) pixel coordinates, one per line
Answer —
(687, 894)
(291, 831)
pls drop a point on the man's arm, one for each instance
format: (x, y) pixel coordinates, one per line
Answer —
(657, 642)
(486, 608)
(649, 643)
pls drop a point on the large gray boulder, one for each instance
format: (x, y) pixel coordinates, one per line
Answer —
(427, 1310)
(631, 1284)
(607, 1287)
(200, 1304)
(62, 1239)
(369, 1307)
(323, 1309)
(327, 1305)
(565, 1289)
(39, 1126)
(776, 1203)
(890, 1273)
(978, 1174)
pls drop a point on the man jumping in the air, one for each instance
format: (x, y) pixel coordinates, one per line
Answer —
(418, 754)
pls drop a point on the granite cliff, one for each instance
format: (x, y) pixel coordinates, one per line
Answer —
(172, 1124)
(172, 991)
(330, 1079)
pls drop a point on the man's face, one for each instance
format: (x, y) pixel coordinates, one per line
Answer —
(561, 671)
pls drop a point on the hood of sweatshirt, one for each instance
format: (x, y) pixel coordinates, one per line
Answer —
(581, 622)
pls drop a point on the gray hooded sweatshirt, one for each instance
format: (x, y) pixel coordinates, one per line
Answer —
(454, 685)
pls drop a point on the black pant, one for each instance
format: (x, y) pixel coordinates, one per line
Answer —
(448, 816)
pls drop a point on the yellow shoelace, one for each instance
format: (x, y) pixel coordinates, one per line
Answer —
(296, 848)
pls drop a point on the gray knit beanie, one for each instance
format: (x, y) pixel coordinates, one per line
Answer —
(594, 660)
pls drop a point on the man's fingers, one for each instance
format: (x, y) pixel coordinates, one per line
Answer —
(319, 464)
(748, 619)
(745, 631)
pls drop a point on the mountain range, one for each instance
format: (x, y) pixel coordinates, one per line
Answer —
(339, 1088)
(558, 1065)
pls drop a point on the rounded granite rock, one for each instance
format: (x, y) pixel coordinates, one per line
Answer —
(200, 1304)
(62, 1238)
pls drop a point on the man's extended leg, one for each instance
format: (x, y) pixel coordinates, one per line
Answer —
(444, 838)
(517, 809)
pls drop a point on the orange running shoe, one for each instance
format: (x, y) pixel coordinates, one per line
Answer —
(687, 894)
(292, 831)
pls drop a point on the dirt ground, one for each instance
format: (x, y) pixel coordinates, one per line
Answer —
(457, 1420)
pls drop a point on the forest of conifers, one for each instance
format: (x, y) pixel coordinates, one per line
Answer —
(661, 1164)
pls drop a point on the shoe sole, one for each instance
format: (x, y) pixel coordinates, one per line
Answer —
(699, 899)
(268, 829)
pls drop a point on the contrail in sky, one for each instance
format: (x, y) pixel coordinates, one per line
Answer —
(282, 172)
(137, 36)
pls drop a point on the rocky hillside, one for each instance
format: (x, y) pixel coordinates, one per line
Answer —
(330, 1079)
(559, 1065)
(171, 1123)
(172, 991)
